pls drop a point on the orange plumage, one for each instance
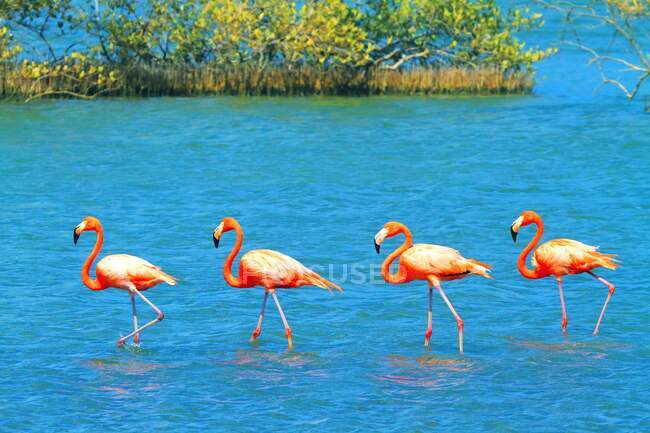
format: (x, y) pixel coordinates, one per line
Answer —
(560, 257)
(268, 269)
(431, 263)
(121, 271)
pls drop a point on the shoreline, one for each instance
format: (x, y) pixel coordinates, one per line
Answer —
(29, 81)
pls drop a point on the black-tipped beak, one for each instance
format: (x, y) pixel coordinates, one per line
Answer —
(377, 247)
(75, 236)
(216, 242)
(513, 234)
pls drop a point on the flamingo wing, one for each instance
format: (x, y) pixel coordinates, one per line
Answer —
(566, 256)
(440, 261)
(122, 270)
(273, 269)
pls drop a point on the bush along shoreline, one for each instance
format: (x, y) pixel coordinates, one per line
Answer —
(86, 49)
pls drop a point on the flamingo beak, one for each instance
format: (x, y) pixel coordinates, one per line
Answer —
(379, 238)
(77, 231)
(514, 228)
(216, 235)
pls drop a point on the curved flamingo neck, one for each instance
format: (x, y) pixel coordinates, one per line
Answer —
(399, 276)
(85, 270)
(521, 262)
(227, 266)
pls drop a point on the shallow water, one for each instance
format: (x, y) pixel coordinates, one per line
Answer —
(316, 178)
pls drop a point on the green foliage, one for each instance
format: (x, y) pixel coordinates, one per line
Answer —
(243, 32)
(448, 33)
(265, 32)
(74, 76)
(147, 31)
(8, 49)
(329, 33)
(254, 36)
(44, 19)
(630, 9)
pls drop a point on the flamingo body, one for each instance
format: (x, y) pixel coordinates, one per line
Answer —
(269, 268)
(423, 261)
(565, 257)
(123, 271)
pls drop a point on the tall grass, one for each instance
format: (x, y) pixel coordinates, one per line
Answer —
(453, 80)
(147, 80)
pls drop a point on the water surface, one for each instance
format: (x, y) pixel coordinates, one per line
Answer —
(316, 178)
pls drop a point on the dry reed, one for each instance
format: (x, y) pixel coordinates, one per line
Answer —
(145, 80)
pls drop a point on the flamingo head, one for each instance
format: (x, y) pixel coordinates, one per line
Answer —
(224, 226)
(527, 217)
(88, 224)
(390, 229)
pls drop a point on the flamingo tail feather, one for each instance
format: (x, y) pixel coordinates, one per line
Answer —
(323, 283)
(167, 278)
(608, 261)
(479, 268)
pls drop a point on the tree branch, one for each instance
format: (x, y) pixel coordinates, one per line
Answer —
(405, 59)
(625, 28)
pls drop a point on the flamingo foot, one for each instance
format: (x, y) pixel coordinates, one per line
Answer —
(289, 339)
(427, 337)
(565, 322)
(120, 342)
(461, 326)
(136, 339)
(256, 333)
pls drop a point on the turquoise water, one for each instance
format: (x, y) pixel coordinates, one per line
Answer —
(316, 178)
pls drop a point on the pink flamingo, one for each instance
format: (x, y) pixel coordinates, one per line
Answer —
(266, 268)
(121, 271)
(560, 257)
(432, 263)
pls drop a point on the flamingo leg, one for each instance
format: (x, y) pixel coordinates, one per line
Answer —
(611, 288)
(564, 319)
(287, 329)
(459, 321)
(258, 330)
(159, 317)
(136, 337)
(427, 335)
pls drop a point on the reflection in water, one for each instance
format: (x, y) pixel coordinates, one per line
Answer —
(275, 367)
(112, 372)
(430, 360)
(127, 389)
(428, 371)
(130, 366)
(256, 357)
(593, 349)
(116, 390)
(422, 382)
